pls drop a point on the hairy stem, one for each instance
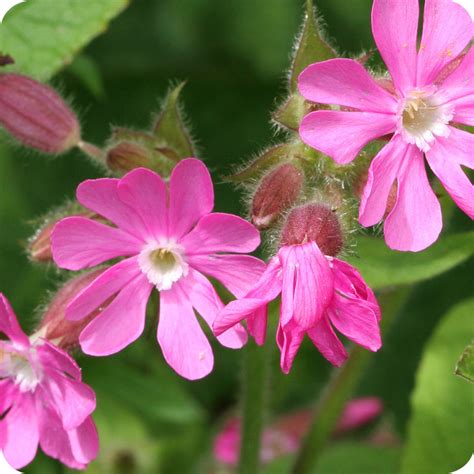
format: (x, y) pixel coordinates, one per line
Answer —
(255, 380)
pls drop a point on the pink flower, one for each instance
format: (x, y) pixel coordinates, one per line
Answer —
(317, 292)
(433, 90)
(285, 435)
(170, 239)
(42, 400)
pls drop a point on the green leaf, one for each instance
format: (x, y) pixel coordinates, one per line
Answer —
(311, 47)
(383, 267)
(170, 128)
(440, 430)
(44, 35)
(88, 72)
(291, 112)
(465, 365)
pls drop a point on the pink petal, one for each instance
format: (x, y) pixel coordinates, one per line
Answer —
(102, 288)
(257, 324)
(288, 290)
(395, 27)
(54, 358)
(207, 303)
(266, 289)
(191, 196)
(357, 320)
(460, 83)
(79, 243)
(447, 30)
(327, 342)
(289, 340)
(73, 400)
(464, 110)
(184, 345)
(349, 282)
(342, 135)
(121, 323)
(382, 173)
(20, 432)
(445, 159)
(314, 284)
(8, 395)
(9, 324)
(238, 273)
(101, 196)
(415, 221)
(84, 441)
(344, 82)
(218, 232)
(145, 192)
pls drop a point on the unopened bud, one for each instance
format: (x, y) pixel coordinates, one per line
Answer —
(359, 186)
(277, 191)
(313, 222)
(54, 326)
(39, 247)
(36, 115)
(127, 156)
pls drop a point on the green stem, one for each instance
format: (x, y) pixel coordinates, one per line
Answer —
(340, 389)
(253, 407)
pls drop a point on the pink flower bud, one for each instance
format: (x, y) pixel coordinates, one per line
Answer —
(277, 191)
(313, 222)
(358, 413)
(36, 115)
(126, 156)
(54, 326)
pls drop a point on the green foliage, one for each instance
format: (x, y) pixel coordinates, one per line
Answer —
(170, 128)
(310, 48)
(291, 112)
(440, 430)
(465, 365)
(382, 267)
(44, 35)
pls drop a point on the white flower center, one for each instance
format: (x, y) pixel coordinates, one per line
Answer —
(163, 264)
(24, 368)
(423, 116)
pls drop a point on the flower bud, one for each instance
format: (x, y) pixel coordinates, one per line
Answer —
(277, 191)
(313, 222)
(36, 115)
(127, 156)
(54, 326)
(39, 247)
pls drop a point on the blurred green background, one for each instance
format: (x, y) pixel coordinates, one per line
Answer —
(233, 55)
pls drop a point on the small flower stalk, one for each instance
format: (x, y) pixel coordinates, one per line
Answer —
(319, 292)
(35, 115)
(276, 192)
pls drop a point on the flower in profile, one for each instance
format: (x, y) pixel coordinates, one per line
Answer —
(43, 400)
(431, 94)
(318, 291)
(169, 239)
(284, 435)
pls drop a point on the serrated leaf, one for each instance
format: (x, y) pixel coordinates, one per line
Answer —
(465, 365)
(44, 35)
(170, 129)
(382, 267)
(311, 46)
(292, 111)
(440, 429)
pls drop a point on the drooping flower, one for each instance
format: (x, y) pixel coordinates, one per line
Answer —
(284, 435)
(432, 93)
(317, 290)
(42, 400)
(170, 240)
